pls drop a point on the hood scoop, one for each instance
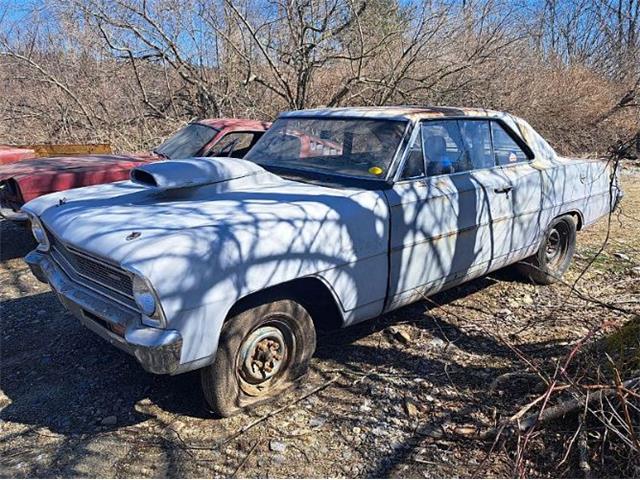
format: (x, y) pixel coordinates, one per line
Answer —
(192, 172)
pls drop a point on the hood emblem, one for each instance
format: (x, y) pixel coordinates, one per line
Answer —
(62, 201)
(133, 236)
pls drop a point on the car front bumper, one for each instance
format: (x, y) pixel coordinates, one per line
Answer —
(10, 205)
(14, 216)
(157, 350)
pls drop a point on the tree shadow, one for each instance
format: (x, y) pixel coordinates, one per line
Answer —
(15, 240)
(61, 376)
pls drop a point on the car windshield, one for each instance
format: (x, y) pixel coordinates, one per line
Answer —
(353, 147)
(187, 142)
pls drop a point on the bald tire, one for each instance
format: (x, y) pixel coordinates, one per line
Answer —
(538, 268)
(222, 382)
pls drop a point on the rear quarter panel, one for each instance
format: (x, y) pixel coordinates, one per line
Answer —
(578, 185)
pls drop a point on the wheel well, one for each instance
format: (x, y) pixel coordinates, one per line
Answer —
(578, 216)
(310, 292)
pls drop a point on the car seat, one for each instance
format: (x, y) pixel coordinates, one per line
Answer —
(435, 148)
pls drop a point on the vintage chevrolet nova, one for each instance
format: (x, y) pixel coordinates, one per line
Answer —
(334, 217)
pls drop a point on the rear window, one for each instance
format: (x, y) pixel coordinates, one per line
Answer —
(506, 150)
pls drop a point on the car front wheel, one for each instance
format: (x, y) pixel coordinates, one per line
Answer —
(261, 352)
(552, 260)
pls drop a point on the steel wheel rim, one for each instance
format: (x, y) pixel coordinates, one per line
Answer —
(556, 245)
(264, 356)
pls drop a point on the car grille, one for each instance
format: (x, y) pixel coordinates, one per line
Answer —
(93, 269)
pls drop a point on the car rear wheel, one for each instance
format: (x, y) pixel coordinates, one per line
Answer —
(261, 352)
(552, 260)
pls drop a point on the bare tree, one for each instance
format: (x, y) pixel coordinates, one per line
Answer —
(130, 71)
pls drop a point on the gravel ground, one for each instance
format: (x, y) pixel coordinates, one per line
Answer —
(71, 405)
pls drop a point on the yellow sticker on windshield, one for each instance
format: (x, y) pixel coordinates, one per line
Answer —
(376, 170)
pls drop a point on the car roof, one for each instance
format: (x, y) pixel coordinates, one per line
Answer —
(234, 123)
(414, 112)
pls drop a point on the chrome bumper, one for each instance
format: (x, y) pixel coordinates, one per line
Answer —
(157, 350)
(9, 214)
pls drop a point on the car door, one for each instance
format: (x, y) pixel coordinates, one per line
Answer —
(441, 216)
(517, 226)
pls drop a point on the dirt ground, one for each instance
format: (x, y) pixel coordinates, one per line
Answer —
(71, 405)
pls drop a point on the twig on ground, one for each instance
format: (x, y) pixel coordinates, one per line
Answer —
(244, 460)
(583, 452)
(555, 411)
(275, 412)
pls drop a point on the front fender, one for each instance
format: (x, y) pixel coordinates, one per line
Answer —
(200, 273)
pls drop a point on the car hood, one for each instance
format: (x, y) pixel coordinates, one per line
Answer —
(50, 165)
(125, 222)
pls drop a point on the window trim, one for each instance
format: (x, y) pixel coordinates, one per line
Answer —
(493, 155)
(417, 126)
(417, 131)
(516, 138)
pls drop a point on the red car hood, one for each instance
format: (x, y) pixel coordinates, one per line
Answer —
(49, 165)
(51, 174)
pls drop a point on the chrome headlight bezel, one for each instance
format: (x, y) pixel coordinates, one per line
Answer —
(40, 234)
(147, 301)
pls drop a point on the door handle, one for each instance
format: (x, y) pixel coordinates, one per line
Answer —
(503, 189)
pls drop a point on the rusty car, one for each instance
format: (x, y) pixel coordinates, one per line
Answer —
(230, 266)
(27, 179)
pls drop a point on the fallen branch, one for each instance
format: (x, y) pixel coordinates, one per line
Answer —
(569, 406)
(549, 413)
(583, 453)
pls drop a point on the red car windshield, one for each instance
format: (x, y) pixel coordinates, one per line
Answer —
(187, 142)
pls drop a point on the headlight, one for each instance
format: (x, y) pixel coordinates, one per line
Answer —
(39, 234)
(146, 300)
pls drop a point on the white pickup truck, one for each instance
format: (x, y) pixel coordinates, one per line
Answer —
(334, 217)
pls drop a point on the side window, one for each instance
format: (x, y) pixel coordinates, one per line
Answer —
(235, 144)
(506, 150)
(443, 147)
(477, 142)
(414, 163)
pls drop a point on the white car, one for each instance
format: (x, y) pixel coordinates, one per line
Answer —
(334, 217)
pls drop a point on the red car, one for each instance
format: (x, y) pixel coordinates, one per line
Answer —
(10, 154)
(25, 180)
